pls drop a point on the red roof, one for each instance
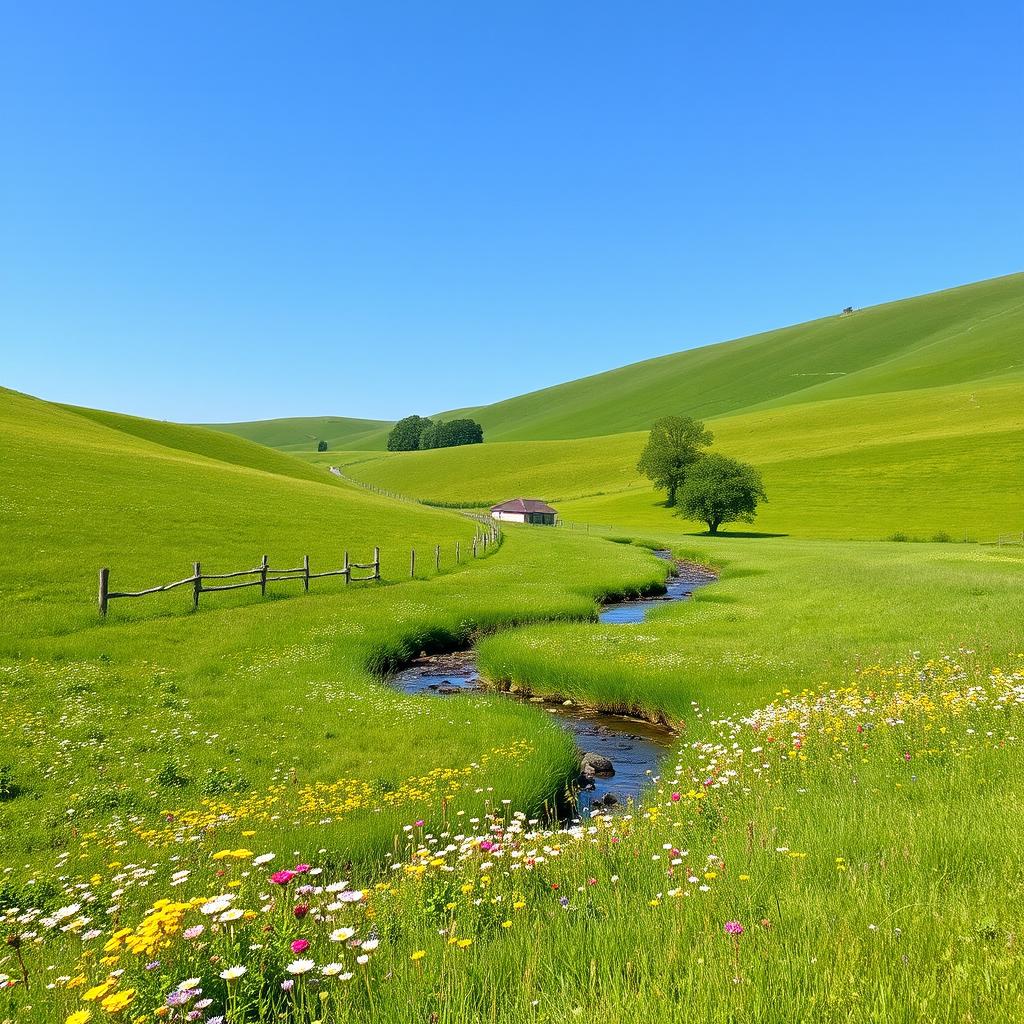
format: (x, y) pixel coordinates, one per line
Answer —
(523, 505)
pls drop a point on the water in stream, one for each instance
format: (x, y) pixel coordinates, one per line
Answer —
(633, 746)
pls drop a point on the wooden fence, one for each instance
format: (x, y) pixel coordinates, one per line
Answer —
(484, 539)
(263, 572)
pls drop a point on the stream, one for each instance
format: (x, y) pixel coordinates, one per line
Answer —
(634, 747)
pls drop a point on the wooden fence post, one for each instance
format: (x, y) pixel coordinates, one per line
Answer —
(104, 589)
(437, 558)
(305, 569)
(376, 563)
(197, 584)
(458, 554)
(347, 570)
(263, 575)
(412, 564)
(474, 546)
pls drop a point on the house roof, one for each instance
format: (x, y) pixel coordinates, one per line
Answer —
(523, 505)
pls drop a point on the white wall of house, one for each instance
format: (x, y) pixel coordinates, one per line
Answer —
(510, 517)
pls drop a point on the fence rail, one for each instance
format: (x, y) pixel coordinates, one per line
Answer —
(486, 537)
(263, 572)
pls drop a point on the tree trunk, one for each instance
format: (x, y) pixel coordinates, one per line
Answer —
(670, 498)
(713, 526)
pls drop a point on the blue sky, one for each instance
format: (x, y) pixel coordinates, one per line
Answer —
(227, 211)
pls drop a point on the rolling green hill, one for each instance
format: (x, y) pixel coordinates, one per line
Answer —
(959, 336)
(863, 467)
(81, 489)
(301, 433)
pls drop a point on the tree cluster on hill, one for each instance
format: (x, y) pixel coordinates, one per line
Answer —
(419, 433)
(706, 486)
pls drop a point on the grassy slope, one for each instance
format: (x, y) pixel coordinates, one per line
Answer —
(301, 433)
(147, 499)
(965, 334)
(863, 426)
(852, 467)
(246, 687)
(277, 696)
(785, 613)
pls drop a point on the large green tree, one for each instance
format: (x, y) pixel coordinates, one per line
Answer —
(405, 434)
(718, 489)
(674, 445)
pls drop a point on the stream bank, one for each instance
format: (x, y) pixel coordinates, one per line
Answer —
(634, 747)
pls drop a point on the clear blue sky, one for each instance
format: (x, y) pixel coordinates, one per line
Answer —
(238, 211)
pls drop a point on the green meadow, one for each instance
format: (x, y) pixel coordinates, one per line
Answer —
(229, 815)
(862, 427)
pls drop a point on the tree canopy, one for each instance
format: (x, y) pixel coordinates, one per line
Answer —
(419, 432)
(674, 445)
(405, 434)
(718, 489)
(321, 446)
(451, 434)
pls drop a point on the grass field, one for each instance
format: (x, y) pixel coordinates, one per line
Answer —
(863, 427)
(786, 614)
(226, 815)
(896, 465)
(835, 835)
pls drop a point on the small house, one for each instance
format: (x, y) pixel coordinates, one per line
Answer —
(524, 510)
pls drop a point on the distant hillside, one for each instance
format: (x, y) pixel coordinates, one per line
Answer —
(969, 334)
(80, 489)
(972, 333)
(301, 433)
(922, 462)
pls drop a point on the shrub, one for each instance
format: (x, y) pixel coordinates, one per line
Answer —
(9, 789)
(171, 776)
(219, 781)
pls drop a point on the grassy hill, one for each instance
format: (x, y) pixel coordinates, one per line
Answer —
(957, 336)
(301, 433)
(858, 467)
(863, 425)
(82, 489)
(111, 720)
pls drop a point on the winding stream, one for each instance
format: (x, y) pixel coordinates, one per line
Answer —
(635, 747)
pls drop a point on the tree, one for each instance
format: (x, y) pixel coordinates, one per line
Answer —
(673, 446)
(458, 432)
(405, 434)
(451, 434)
(321, 446)
(719, 490)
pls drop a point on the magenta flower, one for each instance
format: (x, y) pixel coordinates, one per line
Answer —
(301, 869)
(282, 877)
(733, 928)
(675, 798)
(301, 945)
